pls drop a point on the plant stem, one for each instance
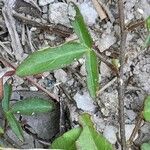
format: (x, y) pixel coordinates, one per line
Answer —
(121, 85)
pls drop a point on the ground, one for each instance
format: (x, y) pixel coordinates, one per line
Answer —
(28, 31)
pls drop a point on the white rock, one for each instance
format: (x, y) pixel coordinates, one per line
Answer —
(60, 75)
(84, 102)
(83, 70)
(33, 88)
(105, 71)
(131, 114)
(106, 41)
(45, 2)
(110, 134)
(88, 12)
(129, 129)
(59, 13)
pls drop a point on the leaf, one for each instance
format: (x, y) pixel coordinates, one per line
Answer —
(90, 139)
(145, 146)
(147, 41)
(92, 73)
(1, 131)
(30, 106)
(67, 140)
(80, 27)
(146, 112)
(6, 96)
(51, 58)
(148, 24)
(15, 126)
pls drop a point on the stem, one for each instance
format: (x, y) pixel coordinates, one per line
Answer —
(121, 85)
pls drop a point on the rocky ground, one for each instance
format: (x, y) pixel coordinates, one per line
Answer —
(30, 24)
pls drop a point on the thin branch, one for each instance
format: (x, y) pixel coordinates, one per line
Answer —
(121, 83)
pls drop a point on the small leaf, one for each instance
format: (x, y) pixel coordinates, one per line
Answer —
(148, 23)
(145, 146)
(51, 58)
(92, 73)
(31, 106)
(147, 41)
(67, 140)
(1, 131)
(14, 124)
(6, 96)
(90, 139)
(80, 28)
(146, 112)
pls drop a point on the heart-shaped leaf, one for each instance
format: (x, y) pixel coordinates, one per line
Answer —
(51, 58)
(67, 140)
(32, 106)
(7, 91)
(15, 126)
(146, 112)
(89, 138)
(80, 27)
(92, 73)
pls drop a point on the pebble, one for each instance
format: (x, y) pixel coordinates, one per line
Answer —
(60, 75)
(33, 88)
(106, 41)
(84, 102)
(128, 131)
(45, 2)
(110, 134)
(104, 69)
(59, 13)
(89, 13)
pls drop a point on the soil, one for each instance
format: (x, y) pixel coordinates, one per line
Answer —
(29, 25)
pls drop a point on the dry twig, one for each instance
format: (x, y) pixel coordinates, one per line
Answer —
(99, 9)
(121, 82)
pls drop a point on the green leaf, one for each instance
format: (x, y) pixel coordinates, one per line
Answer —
(90, 139)
(67, 140)
(51, 58)
(145, 146)
(148, 23)
(15, 126)
(146, 112)
(30, 106)
(92, 73)
(1, 131)
(80, 27)
(6, 96)
(147, 41)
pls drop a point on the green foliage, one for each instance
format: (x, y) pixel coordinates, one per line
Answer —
(145, 146)
(146, 111)
(67, 140)
(51, 58)
(80, 28)
(6, 96)
(32, 105)
(147, 41)
(90, 139)
(54, 58)
(27, 106)
(85, 138)
(15, 125)
(93, 74)
(1, 131)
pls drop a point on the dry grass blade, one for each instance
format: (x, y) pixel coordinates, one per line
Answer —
(99, 9)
